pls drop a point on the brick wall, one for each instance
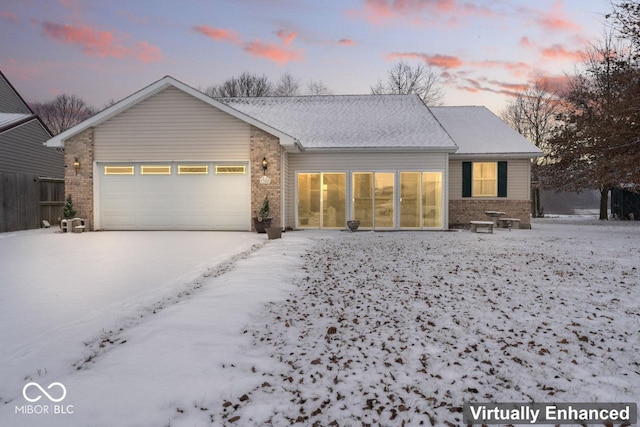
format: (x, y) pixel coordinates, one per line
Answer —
(80, 185)
(463, 211)
(264, 145)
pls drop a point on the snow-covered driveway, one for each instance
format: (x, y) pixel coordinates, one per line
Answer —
(59, 292)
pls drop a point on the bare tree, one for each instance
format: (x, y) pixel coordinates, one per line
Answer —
(246, 84)
(317, 87)
(288, 85)
(402, 78)
(63, 112)
(533, 114)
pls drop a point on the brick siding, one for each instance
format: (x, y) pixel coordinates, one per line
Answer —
(264, 145)
(463, 211)
(80, 185)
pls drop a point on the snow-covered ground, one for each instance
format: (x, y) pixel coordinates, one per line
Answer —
(324, 328)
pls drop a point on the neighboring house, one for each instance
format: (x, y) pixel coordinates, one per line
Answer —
(25, 163)
(170, 157)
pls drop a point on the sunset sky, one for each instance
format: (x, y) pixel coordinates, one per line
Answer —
(108, 49)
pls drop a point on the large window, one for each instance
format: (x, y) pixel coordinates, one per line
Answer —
(322, 200)
(485, 179)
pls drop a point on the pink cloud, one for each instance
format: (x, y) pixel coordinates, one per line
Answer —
(100, 43)
(146, 52)
(441, 61)
(346, 42)
(379, 11)
(418, 12)
(557, 51)
(7, 16)
(516, 68)
(287, 38)
(553, 20)
(525, 42)
(271, 51)
(217, 33)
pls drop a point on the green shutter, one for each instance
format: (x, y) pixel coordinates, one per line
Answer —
(502, 179)
(466, 179)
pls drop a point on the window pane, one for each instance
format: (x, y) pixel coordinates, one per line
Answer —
(432, 199)
(485, 179)
(410, 199)
(118, 170)
(363, 198)
(334, 200)
(308, 200)
(193, 170)
(229, 169)
(155, 170)
(384, 199)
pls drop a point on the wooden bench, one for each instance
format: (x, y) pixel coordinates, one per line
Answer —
(481, 224)
(78, 229)
(509, 222)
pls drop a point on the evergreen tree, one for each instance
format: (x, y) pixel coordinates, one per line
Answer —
(68, 211)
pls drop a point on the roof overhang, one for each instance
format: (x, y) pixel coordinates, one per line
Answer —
(448, 150)
(286, 141)
(473, 156)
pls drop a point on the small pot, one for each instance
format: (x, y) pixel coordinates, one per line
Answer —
(274, 233)
(353, 224)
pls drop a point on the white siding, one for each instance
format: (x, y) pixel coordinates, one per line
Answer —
(360, 161)
(172, 125)
(518, 179)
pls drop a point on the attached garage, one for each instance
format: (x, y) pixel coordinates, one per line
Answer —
(173, 196)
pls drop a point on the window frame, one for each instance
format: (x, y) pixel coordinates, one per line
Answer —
(158, 172)
(184, 172)
(110, 170)
(218, 171)
(478, 182)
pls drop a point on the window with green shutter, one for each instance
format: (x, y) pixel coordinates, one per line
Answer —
(484, 179)
(466, 179)
(502, 179)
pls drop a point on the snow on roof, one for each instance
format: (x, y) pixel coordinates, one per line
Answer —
(476, 130)
(350, 121)
(7, 119)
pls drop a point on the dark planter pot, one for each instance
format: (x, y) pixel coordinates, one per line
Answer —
(261, 225)
(274, 232)
(353, 224)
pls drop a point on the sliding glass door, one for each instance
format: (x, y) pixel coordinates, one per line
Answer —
(374, 197)
(322, 200)
(421, 199)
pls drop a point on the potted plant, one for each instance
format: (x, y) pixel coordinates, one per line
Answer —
(68, 210)
(262, 220)
(274, 232)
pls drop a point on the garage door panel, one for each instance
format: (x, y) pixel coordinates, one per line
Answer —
(174, 202)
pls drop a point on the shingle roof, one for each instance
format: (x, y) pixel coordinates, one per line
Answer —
(476, 130)
(350, 121)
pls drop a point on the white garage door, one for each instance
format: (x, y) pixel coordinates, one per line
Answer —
(174, 196)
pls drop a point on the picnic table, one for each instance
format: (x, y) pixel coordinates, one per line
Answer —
(494, 215)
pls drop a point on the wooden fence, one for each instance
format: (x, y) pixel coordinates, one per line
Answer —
(26, 200)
